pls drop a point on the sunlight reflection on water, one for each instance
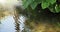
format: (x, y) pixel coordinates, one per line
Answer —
(8, 24)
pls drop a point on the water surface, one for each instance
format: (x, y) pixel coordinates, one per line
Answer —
(8, 24)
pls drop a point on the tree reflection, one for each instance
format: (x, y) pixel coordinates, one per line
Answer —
(16, 17)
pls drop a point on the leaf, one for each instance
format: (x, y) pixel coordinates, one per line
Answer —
(33, 5)
(57, 8)
(38, 1)
(44, 5)
(52, 8)
(26, 3)
(51, 1)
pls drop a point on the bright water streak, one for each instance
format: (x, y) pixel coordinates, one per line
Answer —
(8, 24)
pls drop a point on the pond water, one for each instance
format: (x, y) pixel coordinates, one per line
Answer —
(8, 24)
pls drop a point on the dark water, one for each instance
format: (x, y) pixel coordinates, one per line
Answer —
(8, 24)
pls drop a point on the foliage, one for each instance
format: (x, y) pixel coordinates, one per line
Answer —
(50, 4)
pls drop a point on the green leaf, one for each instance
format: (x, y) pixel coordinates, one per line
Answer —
(38, 1)
(33, 5)
(57, 8)
(26, 3)
(44, 5)
(52, 8)
(51, 1)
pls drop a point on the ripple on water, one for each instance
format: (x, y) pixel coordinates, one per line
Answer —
(8, 24)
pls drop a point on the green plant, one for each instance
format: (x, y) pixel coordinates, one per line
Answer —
(52, 5)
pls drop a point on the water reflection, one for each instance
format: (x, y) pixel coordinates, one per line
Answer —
(9, 25)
